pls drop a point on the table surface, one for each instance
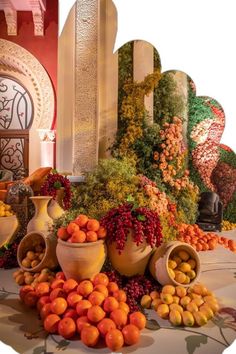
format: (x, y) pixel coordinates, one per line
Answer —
(21, 328)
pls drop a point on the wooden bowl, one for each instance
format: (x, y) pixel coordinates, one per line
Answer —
(8, 228)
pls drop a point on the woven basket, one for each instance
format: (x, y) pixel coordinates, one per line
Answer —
(30, 241)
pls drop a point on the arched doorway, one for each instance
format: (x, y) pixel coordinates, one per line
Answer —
(16, 118)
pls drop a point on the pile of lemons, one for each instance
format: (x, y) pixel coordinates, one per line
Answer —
(227, 225)
(191, 306)
(5, 209)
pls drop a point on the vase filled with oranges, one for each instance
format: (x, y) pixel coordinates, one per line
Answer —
(81, 249)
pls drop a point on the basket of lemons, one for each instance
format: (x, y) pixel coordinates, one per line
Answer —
(8, 224)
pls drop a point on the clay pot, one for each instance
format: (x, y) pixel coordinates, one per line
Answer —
(33, 239)
(81, 260)
(41, 221)
(8, 227)
(132, 260)
(158, 265)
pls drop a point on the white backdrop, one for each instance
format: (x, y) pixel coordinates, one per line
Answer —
(196, 37)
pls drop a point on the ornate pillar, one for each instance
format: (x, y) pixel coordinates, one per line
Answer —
(85, 128)
(143, 65)
(47, 146)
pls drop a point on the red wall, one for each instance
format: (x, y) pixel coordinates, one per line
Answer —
(43, 48)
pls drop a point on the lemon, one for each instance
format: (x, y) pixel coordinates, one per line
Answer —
(200, 318)
(172, 264)
(146, 301)
(183, 255)
(166, 298)
(155, 303)
(188, 319)
(180, 291)
(175, 317)
(192, 263)
(168, 289)
(184, 301)
(163, 310)
(176, 307)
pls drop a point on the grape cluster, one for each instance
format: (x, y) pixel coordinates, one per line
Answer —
(8, 257)
(135, 288)
(145, 225)
(55, 181)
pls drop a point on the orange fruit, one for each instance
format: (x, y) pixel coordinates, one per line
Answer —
(110, 304)
(123, 306)
(24, 290)
(85, 288)
(101, 278)
(138, 319)
(82, 307)
(78, 237)
(60, 275)
(51, 323)
(96, 298)
(70, 285)
(42, 301)
(102, 289)
(114, 339)
(45, 311)
(73, 298)
(95, 313)
(59, 305)
(31, 299)
(62, 233)
(91, 236)
(89, 335)
(67, 327)
(119, 317)
(102, 232)
(70, 313)
(81, 220)
(120, 295)
(112, 287)
(93, 225)
(131, 334)
(105, 326)
(72, 227)
(42, 289)
(82, 322)
(57, 283)
(57, 292)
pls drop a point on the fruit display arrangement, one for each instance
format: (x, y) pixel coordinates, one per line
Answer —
(95, 309)
(22, 277)
(191, 306)
(82, 229)
(33, 257)
(5, 209)
(203, 241)
(181, 267)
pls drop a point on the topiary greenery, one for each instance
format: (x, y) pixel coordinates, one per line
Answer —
(167, 102)
(112, 183)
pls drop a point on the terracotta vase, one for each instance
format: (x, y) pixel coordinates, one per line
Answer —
(55, 207)
(38, 238)
(41, 221)
(158, 265)
(81, 260)
(132, 260)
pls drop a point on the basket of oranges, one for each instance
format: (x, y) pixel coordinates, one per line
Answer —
(8, 224)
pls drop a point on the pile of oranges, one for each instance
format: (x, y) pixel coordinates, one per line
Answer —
(95, 309)
(203, 241)
(82, 229)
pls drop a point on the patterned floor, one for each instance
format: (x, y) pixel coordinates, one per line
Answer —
(21, 329)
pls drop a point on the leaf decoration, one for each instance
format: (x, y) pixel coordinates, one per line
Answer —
(39, 350)
(194, 342)
(152, 325)
(219, 321)
(63, 344)
(141, 217)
